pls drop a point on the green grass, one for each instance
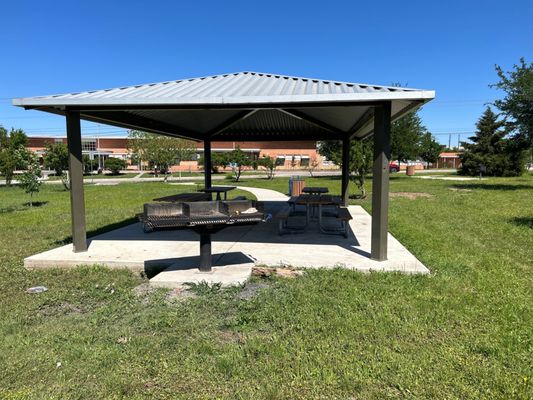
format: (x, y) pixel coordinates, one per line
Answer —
(465, 331)
(122, 175)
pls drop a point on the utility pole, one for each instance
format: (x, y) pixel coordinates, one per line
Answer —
(450, 141)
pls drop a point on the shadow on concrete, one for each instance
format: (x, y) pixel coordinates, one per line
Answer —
(154, 267)
(261, 233)
(100, 231)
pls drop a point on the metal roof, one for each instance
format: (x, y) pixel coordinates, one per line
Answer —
(254, 105)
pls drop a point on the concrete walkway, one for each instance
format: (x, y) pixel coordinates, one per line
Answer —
(235, 250)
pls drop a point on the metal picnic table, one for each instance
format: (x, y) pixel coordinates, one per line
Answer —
(318, 190)
(218, 190)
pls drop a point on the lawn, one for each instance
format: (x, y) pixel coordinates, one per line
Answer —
(122, 175)
(465, 331)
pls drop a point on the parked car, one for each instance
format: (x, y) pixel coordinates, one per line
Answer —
(393, 167)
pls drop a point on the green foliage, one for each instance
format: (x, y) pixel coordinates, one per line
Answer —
(13, 153)
(428, 148)
(115, 165)
(89, 165)
(490, 150)
(29, 180)
(161, 152)
(238, 159)
(56, 157)
(269, 164)
(361, 156)
(406, 134)
(517, 105)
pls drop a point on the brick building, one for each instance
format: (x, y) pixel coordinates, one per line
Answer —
(288, 155)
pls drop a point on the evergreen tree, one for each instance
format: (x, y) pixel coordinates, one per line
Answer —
(517, 105)
(490, 151)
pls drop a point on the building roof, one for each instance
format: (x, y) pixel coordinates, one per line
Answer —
(238, 106)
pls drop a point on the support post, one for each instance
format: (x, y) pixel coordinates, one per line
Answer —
(345, 170)
(380, 182)
(207, 163)
(205, 252)
(75, 162)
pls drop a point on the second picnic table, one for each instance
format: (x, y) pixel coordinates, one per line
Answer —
(218, 190)
(318, 190)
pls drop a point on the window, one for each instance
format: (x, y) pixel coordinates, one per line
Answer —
(305, 161)
(58, 140)
(280, 161)
(88, 145)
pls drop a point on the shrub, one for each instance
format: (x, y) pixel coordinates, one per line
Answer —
(115, 165)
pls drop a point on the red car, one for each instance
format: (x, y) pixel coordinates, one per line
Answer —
(393, 167)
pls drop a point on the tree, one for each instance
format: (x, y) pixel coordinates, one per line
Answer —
(12, 152)
(361, 156)
(406, 134)
(517, 105)
(89, 165)
(56, 157)
(429, 149)
(161, 152)
(217, 160)
(490, 151)
(313, 165)
(115, 165)
(269, 164)
(238, 159)
(136, 147)
(29, 180)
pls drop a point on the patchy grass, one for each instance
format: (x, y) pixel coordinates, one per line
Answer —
(465, 331)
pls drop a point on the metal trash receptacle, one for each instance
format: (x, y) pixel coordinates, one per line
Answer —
(410, 170)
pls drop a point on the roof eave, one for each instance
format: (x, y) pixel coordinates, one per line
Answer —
(420, 95)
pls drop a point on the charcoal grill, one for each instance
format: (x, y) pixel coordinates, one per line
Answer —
(203, 217)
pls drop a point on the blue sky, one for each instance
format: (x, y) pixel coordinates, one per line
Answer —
(448, 46)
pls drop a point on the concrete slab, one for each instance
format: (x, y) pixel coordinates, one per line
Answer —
(237, 248)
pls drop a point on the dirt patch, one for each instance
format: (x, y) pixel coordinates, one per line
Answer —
(411, 195)
(460, 190)
(178, 294)
(227, 336)
(65, 308)
(251, 290)
(281, 272)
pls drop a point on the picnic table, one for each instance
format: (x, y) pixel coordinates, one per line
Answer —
(314, 202)
(185, 197)
(318, 190)
(218, 190)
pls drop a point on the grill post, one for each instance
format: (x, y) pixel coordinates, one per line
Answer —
(205, 251)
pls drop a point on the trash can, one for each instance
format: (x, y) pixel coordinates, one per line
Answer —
(295, 186)
(410, 170)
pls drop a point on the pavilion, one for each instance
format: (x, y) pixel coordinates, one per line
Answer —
(244, 106)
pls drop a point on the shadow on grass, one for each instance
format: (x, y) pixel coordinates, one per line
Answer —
(522, 221)
(98, 231)
(491, 186)
(22, 207)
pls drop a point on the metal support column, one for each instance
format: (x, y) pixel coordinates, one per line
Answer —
(345, 170)
(207, 163)
(205, 252)
(77, 202)
(380, 181)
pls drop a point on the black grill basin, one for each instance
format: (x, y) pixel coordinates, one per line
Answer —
(204, 217)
